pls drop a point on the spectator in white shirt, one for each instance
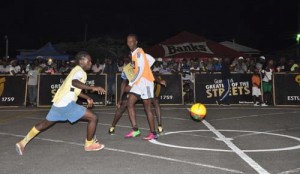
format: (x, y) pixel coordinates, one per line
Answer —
(97, 68)
(267, 74)
(165, 69)
(1, 66)
(5, 68)
(241, 67)
(194, 69)
(157, 66)
(13, 70)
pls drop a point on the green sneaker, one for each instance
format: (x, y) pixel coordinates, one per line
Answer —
(133, 134)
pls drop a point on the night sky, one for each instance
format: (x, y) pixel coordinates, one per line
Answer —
(267, 25)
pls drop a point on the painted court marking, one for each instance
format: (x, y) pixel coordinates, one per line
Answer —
(131, 152)
(236, 149)
(223, 150)
(291, 171)
(103, 108)
(255, 115)
(241, 153)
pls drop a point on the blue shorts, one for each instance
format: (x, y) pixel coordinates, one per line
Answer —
(72, 112)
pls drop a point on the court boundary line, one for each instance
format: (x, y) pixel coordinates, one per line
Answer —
(129, 152)
(118, 125)
(254, 115)
(296, 147)
(107, 108)
(236, 149)
(218, 119)
(290, 171)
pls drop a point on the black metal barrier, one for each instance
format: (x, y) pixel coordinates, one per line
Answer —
(287, 89)
(12, 90)
(49, 84)
(208, 88)
(172, 94)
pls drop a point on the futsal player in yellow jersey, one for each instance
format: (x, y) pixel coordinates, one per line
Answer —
(64, 106)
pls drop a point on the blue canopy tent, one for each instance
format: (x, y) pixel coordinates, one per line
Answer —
(46, 52)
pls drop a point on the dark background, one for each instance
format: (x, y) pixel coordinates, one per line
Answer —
(267, 25)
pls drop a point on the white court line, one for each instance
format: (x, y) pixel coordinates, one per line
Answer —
(182, 119)
(291, 171)
(237, 150)
(132, 153)
(270, 131)
(255, 115)
(104, 108)
(104, 124)
(144, 115)
(217, 119)
(217, 107)
(82, 122)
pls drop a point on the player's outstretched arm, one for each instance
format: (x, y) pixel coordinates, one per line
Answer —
(80, 85)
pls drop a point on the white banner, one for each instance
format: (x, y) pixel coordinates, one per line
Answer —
(186, 48)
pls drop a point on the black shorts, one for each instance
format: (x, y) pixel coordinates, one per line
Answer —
(125, 96)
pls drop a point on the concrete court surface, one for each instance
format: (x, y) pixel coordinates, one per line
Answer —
(235, 139)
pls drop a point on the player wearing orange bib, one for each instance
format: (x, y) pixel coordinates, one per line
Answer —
(142, 86)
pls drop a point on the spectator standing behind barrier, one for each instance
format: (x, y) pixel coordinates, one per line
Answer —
(13, 68)
(210, 65)
(120, 65)
(282, 65)
(157, 65)
(17, 67)
(240, 66)
(6, 67)
(1, 66)
(37, 65)
(165, 69)
(217, 64)
(294, 66)
(252, 66)
(226, 77)
(50, 67)
(267, 74)
(25, 66)
(110, 69)
(203, 65)
(195, 68)
(259, 64)
(174, 67)
(97, 68)
(186, 78)
(256, 91)
(64, 67)
(32, 78)
(185, 70)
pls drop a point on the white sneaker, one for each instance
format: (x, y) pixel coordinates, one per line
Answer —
(256, 104)
(264, 104)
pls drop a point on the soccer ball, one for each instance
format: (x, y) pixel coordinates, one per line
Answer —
(198, 112)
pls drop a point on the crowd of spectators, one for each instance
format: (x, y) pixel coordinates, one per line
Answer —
(187, 67)
(162, 66)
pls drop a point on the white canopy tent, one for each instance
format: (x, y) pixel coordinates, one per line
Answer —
(241, 48)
